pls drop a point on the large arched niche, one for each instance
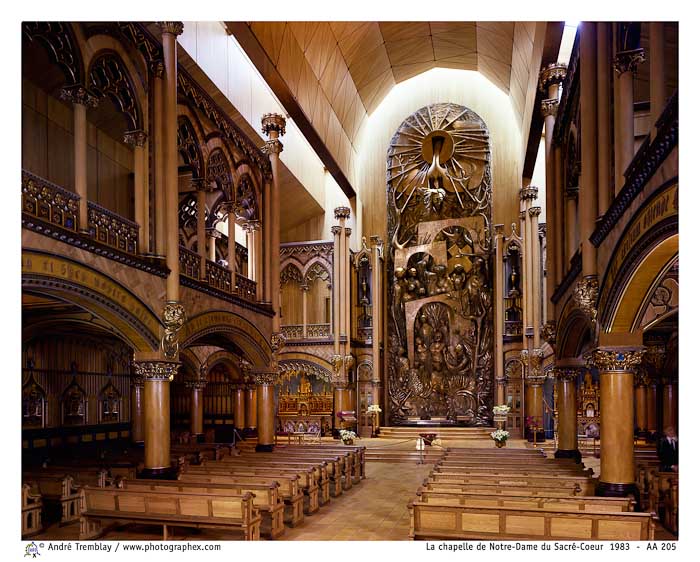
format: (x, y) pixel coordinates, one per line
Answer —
(438, 259)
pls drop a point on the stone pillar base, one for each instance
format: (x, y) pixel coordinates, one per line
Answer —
(568, 454)
(609, 490)
(264, 448)
(168, 473)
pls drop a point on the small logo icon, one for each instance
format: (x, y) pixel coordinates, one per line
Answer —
(32, 550)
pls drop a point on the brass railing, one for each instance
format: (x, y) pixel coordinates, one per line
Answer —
(318, 330)
(245, 288)
(49, 202)
(111, 229)
(293, 331)
(218, 276)
(190, 263)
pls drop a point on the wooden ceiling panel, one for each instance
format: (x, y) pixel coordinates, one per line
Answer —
(363, 40)
(496, 71)
(319, 48)
(495, 46)
(270, 34)
(410, 51)
(380, 88)
(450, 26)
(334, 74)
(503, 28)
(400, 30)
(290, 61)
(464, 62)
(448, 49)
(465, 38)
(303, 31)
(405, 71)
(369, 67)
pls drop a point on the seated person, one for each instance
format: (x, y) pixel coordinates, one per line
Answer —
(667, 450)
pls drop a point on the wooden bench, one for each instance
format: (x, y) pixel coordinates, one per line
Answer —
(567, 503)
(357, 453)
(307, 479)
(60, 496)
(169, 509)
(586, 485)
(288, 490)
(31, 511)
(476, 470)
(265, 497)
(498, 490)
(433, 521)
(82, 477)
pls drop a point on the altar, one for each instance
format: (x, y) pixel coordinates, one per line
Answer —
(304, 411)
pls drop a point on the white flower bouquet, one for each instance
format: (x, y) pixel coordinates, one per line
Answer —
(374, 408)
(500, 435)
(347, 435)
(501, 410)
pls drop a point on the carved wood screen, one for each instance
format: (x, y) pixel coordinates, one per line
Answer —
(440, 306)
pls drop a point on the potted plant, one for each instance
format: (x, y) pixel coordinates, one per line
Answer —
(500, 436)
(347, 436)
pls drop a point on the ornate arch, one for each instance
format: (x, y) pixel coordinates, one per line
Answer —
(59, 40)
(315, 268)
(306, 366)
(219, 173)
(291, 272)
(247, 198)
(224, 357)
(576, 330)
(108, 77)
(189, 147)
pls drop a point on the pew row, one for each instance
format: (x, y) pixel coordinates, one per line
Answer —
(583, 485)
(31, 511)
(59, 494)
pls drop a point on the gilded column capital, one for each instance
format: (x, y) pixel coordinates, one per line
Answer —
(273, 146)
(335, 230)
(534, 211)
(586, 296)
(264, 377)
(173, 320)
(213, 232)
(549, 107)
(273, 123)
(156, 371)
(157, 68)
(623, 359)
(567, 374)
(341, 213)
(135, 138)
(549, 332)
(251, 226)
(172, 27)
(532, 359)
(277, 341)
(553, 73)
(79, 95)
(626, 61)
(528, 193)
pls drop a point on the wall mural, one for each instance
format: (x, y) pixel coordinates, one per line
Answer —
(440, 306)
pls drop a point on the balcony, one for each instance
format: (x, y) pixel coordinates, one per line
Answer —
(295, 332)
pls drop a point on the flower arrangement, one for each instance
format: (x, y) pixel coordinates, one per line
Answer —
(501, 410)
(500, 435)
(374, 408)
(347, 436)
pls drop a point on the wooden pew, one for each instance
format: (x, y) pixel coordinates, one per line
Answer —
(496, 453)
(265, 497)
(585, 484)
(319, 468)
(497, 489)
(357, 452)
(82, 477)
(566, 503)
(307, 479)
(288, 490)
(476, 470)
(31, 511)
(432, 521)
(170, 509)
(60, 495)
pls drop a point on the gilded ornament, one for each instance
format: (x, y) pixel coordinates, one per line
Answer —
(617, 358)
(549, 332)
(568, 374)
(277, 341)
(626, 61)
(549, 108)
(554, 73)
(586, 296)
(273, 122)
(156, 371)
(173, 320)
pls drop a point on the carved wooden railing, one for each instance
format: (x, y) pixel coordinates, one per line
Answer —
(190, 263)
(112, 230)
(245, 288)
(293, 331)
(49, 202)
(218, 276)
(318, 330)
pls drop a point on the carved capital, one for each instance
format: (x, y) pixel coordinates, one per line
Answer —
(156, 371)
(375, 240)
(554, 73)
(529, 192)
(78, 94)
(586, 296)
(135, 138)
(626, 61)
(535, 211)
(213, 233)
(264, 378)
(173, 27)
(521, 214)
(157, 68)
(549, 332)
(641, 377)
(549, 107)
(533, 358)
(348, 231)
(342, 213)
(617, 358)
(348, 362)
(273, 146)
(251, 226)
(335, 230)
(656, 356)
(566, 374)
(277, 341)
(136, 379)
(173, 320)
(273, 122)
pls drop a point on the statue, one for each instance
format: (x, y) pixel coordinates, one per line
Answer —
(304, 385)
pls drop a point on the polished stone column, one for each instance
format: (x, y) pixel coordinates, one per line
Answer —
(201, 227)
(273, 125)
(652, 409)
(571, 228)
(265, 390)
(604, 60)
(157, 376)
(669, 404)
(251, 407)
(158, 70)
(137, 141)
(500, 314)
(536, 268)
(567, 414)
(137, 410)
(239, 413)
(197, 408)
(336, 289)
(588, 194)
(304, 312)
(640, 404)
(559, 227)
(377, 318)
(616, 366)
(231, 225)
(625, 63)
(170, 30)
(212, 236)
(81, 100)
(657, 73)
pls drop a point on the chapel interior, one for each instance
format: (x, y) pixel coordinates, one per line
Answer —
(293, 280)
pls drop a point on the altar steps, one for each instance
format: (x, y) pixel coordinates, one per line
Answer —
(443, 433)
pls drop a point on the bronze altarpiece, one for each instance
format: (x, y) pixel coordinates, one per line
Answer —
(439, 268)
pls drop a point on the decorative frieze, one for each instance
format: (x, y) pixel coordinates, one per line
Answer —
(78, 94)
(626, 61)
(551, 74)
(156, 371)
(616, 358)
(273, 122)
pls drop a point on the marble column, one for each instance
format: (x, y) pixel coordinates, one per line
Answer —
(197, 407)
(212, 236)
(231, 225)
(239, 413)
(137, 407)
(625, 64)
(604, 60)
(81, 100)
(657, 72)
(669, 404)
(170, 30)
(201, 227)
(499, 319)
(157, 376)
(567, 414)
(616, 366)
(336, 289)
(273, 125)
(640, 404)
(588, 194)
(158, 71)
(137, 141)
(251, 407)
(265, 395)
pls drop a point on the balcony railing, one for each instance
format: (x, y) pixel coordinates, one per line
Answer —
(218, 276)
(293, 331)
(48, 202)
(245, 288)
(316, 331)
(111, 229)
(190, 263)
